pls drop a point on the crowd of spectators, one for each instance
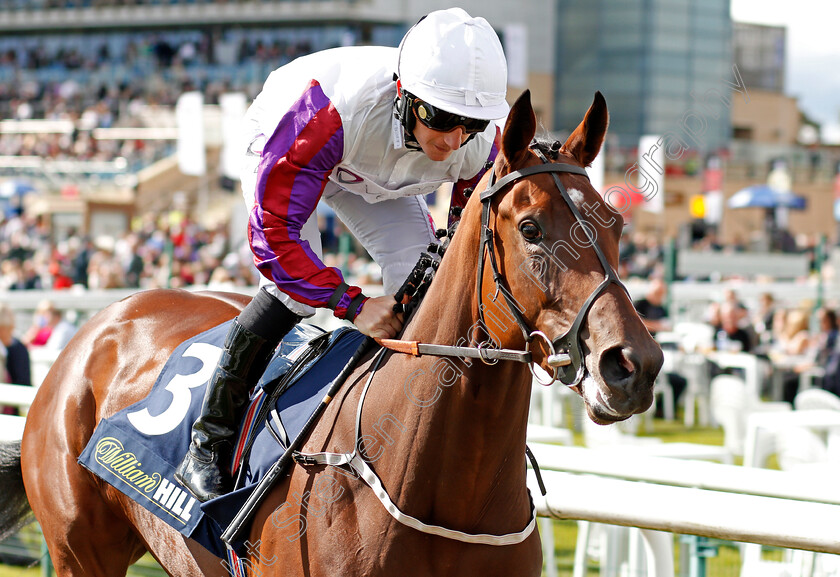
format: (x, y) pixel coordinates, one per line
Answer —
(117, 81)
(159, 252)
(796, 338)
(65, 4)
(166, 250)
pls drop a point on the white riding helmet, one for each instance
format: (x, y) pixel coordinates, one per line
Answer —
(456, 63)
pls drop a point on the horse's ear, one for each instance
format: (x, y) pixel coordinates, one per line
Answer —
(585, 142)
(520, 127)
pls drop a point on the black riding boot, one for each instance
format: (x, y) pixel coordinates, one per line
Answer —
(205, 470)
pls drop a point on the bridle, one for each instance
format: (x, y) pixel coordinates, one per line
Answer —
(566, 357)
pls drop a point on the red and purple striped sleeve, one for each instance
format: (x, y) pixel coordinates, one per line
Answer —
(458, 197)
(296, 162)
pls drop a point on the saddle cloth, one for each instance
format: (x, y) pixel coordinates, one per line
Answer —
(138, 449)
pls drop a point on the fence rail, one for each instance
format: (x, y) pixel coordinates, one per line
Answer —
(664, 495)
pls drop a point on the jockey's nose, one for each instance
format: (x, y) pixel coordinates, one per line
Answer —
(455, 137)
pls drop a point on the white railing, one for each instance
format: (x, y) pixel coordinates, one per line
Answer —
(11, 426)
(768, 507)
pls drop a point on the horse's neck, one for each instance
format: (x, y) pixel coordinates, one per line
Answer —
(464, 421)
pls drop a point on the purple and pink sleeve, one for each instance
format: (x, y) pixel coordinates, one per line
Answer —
(296, 163)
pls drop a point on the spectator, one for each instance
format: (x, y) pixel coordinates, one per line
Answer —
(15, 368)
(655, 317)
(731, 329)
(791, 332)
(652, 307)
(49, 329)
(763, 318)
(823, 348)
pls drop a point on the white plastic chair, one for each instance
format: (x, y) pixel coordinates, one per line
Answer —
(695, 368)
(624, 551)
(794, 563)
(821, 399)
(730, 404)
(808, 377)
(555, 406)
(695, 336)
(816, 399)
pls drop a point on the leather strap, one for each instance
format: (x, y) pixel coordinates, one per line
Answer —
(336, 296)
(358, 464)
(353, 307)
(419, 349)
(363, 470)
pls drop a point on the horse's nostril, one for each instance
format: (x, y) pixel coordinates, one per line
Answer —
(617, 365)
(626, 362)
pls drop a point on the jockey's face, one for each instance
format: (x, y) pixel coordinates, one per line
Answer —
(439, 145)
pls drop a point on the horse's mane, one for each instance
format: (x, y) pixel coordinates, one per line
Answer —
(549, 147)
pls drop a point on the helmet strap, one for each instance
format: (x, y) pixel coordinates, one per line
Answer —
(403, 112)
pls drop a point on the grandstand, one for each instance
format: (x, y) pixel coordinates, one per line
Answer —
(88, 88)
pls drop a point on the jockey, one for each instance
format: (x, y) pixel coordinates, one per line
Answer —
(368, 130)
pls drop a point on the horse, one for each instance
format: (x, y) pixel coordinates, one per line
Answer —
(530, 269)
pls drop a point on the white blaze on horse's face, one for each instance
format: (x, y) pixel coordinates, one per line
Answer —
(576, 196)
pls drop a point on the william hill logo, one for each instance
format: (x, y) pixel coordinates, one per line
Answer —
(111, 454)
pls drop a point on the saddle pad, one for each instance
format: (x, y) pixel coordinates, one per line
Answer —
(138, 449)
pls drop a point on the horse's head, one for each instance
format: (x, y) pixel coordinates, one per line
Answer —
(556, 247)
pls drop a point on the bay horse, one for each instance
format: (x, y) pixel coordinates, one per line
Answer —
(445, 435)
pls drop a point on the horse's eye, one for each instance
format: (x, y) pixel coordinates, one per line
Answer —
(531, 231)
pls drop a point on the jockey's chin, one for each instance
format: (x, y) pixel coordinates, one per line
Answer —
(439, 145)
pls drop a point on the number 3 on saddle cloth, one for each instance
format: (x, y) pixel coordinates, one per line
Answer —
(138, 449)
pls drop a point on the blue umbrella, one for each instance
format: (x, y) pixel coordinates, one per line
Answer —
(762, 196)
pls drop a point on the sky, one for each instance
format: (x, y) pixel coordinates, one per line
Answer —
(813, 53)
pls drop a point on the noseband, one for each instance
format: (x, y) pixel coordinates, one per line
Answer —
(566, 357)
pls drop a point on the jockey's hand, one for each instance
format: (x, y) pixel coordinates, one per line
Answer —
(378, 319)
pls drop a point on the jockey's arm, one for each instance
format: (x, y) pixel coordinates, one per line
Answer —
(291, 179)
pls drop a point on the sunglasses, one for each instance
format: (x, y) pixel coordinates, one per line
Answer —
(444, 121)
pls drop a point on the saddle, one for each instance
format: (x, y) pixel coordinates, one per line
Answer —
(138, 449)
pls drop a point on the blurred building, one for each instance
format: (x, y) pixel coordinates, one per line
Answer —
(654, 60)
(768, 126)
(759, 52)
